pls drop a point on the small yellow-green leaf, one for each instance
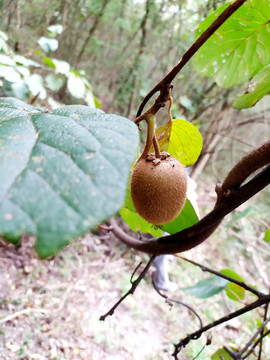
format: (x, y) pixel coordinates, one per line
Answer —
(181, 139)
(234, 292)
(163, 135)
(185, 142)
(221, 354)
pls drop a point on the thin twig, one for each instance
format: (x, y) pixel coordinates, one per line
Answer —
(255, 344)
(251, 341)
(217, 273)
(262, 330)
(197, 334)
(131, 291)
(199, 353)
(23, 312)
(170, 301)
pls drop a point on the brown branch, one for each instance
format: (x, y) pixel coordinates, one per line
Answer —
(192, 50)
(246, 166)
(170, 301)
(164, 96)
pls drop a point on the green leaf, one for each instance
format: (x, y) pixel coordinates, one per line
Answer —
(20, 89)
(55, 29)
(48, 44)
(163, 134)
(185, 219)
(21, 60)
(232, 274)
(221, 354)
(138, 224)
(76, 85)
(239, 48)
(61, 66)
(207, 287)
(185, 142)
(48, 61)
(181, 139)
(234, 291)
(62, 171)
(9, 73)
(258, 88)
(267, 235)
(54, 82)
(36, 85)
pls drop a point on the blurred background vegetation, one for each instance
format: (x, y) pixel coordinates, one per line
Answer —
(109, 54)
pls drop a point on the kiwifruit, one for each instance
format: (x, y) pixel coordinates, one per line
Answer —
(158, 188)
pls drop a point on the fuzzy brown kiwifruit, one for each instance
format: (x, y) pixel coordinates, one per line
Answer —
(158, 188)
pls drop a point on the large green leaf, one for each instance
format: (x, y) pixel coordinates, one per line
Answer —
(62, 171)
(207, 287)
(258, 88)
(239, 48)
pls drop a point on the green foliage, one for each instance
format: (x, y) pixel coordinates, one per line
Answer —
(234, 291)
(214, 284)
(48, 44)
(63, 171)
(22, 76)
(221, 354)
(181, 139)
(185, 219)
(239, 48)
(267, 235)
(257, 89)
(207, 287)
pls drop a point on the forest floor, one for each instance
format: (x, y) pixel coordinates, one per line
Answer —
(50, 309)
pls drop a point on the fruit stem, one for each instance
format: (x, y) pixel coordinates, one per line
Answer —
(156, 146)
(170, 108)
(151, 121)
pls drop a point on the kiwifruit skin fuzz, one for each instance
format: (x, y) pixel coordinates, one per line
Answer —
(158, 192)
